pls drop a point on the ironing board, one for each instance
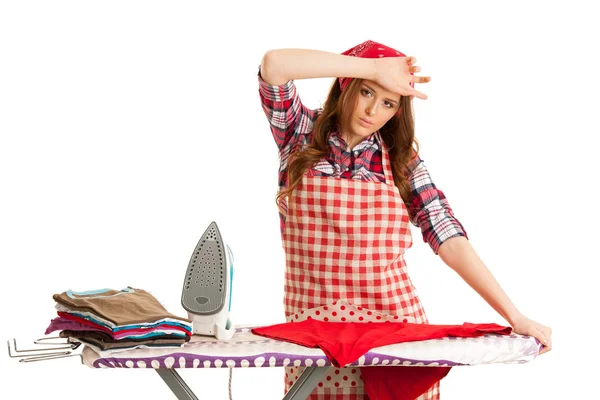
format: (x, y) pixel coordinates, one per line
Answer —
(246, 350)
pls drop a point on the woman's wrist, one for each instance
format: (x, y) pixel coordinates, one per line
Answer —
(513, 317)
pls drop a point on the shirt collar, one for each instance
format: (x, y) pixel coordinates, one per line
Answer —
(371, 141)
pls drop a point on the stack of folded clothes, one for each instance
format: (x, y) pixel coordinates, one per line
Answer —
(115, 320)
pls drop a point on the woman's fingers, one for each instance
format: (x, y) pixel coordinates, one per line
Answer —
(421, 79)
(547, 335)
(525, 326)
(418, 94)
(544, 335)
(414, 69)
(546, 348)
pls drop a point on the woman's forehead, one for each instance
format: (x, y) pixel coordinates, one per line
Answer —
(380, 90)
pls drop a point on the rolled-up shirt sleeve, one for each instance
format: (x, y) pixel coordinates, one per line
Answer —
(284, 110)
(429, 209)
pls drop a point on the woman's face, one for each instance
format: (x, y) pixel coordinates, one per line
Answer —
(374, 108)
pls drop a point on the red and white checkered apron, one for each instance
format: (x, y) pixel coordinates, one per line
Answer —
(344, 239)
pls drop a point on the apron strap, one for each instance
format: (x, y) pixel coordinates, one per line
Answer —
(386, 163)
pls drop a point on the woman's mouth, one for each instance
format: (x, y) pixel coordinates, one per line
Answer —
(365, 122)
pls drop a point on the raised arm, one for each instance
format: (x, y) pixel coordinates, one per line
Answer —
(394, 73)
(282, 65)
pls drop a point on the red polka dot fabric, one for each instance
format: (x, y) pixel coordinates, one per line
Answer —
(343, 311)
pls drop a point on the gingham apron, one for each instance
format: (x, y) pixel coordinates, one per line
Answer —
(344, 239)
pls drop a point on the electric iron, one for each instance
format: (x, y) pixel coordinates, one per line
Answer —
(206, 294)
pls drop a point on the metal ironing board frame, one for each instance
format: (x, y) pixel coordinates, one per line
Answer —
(299, 391)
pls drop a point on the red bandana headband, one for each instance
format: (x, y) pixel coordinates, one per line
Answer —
(369, 49)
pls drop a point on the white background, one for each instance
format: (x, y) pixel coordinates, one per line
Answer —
(128, 126)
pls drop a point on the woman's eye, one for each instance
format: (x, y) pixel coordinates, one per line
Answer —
(366, 92)
(388, 104)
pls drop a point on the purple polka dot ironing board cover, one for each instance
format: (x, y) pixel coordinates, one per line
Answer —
(248, 350)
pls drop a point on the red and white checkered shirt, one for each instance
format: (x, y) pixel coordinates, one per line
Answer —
(292, 123)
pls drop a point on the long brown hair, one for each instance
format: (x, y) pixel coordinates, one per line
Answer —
(398, 135)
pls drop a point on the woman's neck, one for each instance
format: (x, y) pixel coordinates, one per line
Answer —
(351, 142)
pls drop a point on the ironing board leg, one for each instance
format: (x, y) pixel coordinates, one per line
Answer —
(305, 383)
(299, 391)
(176, 383)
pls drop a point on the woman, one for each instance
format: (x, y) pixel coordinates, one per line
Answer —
(350, 182)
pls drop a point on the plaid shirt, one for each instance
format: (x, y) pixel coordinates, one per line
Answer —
(292, 124)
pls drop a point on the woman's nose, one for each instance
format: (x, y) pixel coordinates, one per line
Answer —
(371, 108)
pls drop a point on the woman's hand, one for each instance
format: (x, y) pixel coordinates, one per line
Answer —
(395, 74)
(526, 326)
